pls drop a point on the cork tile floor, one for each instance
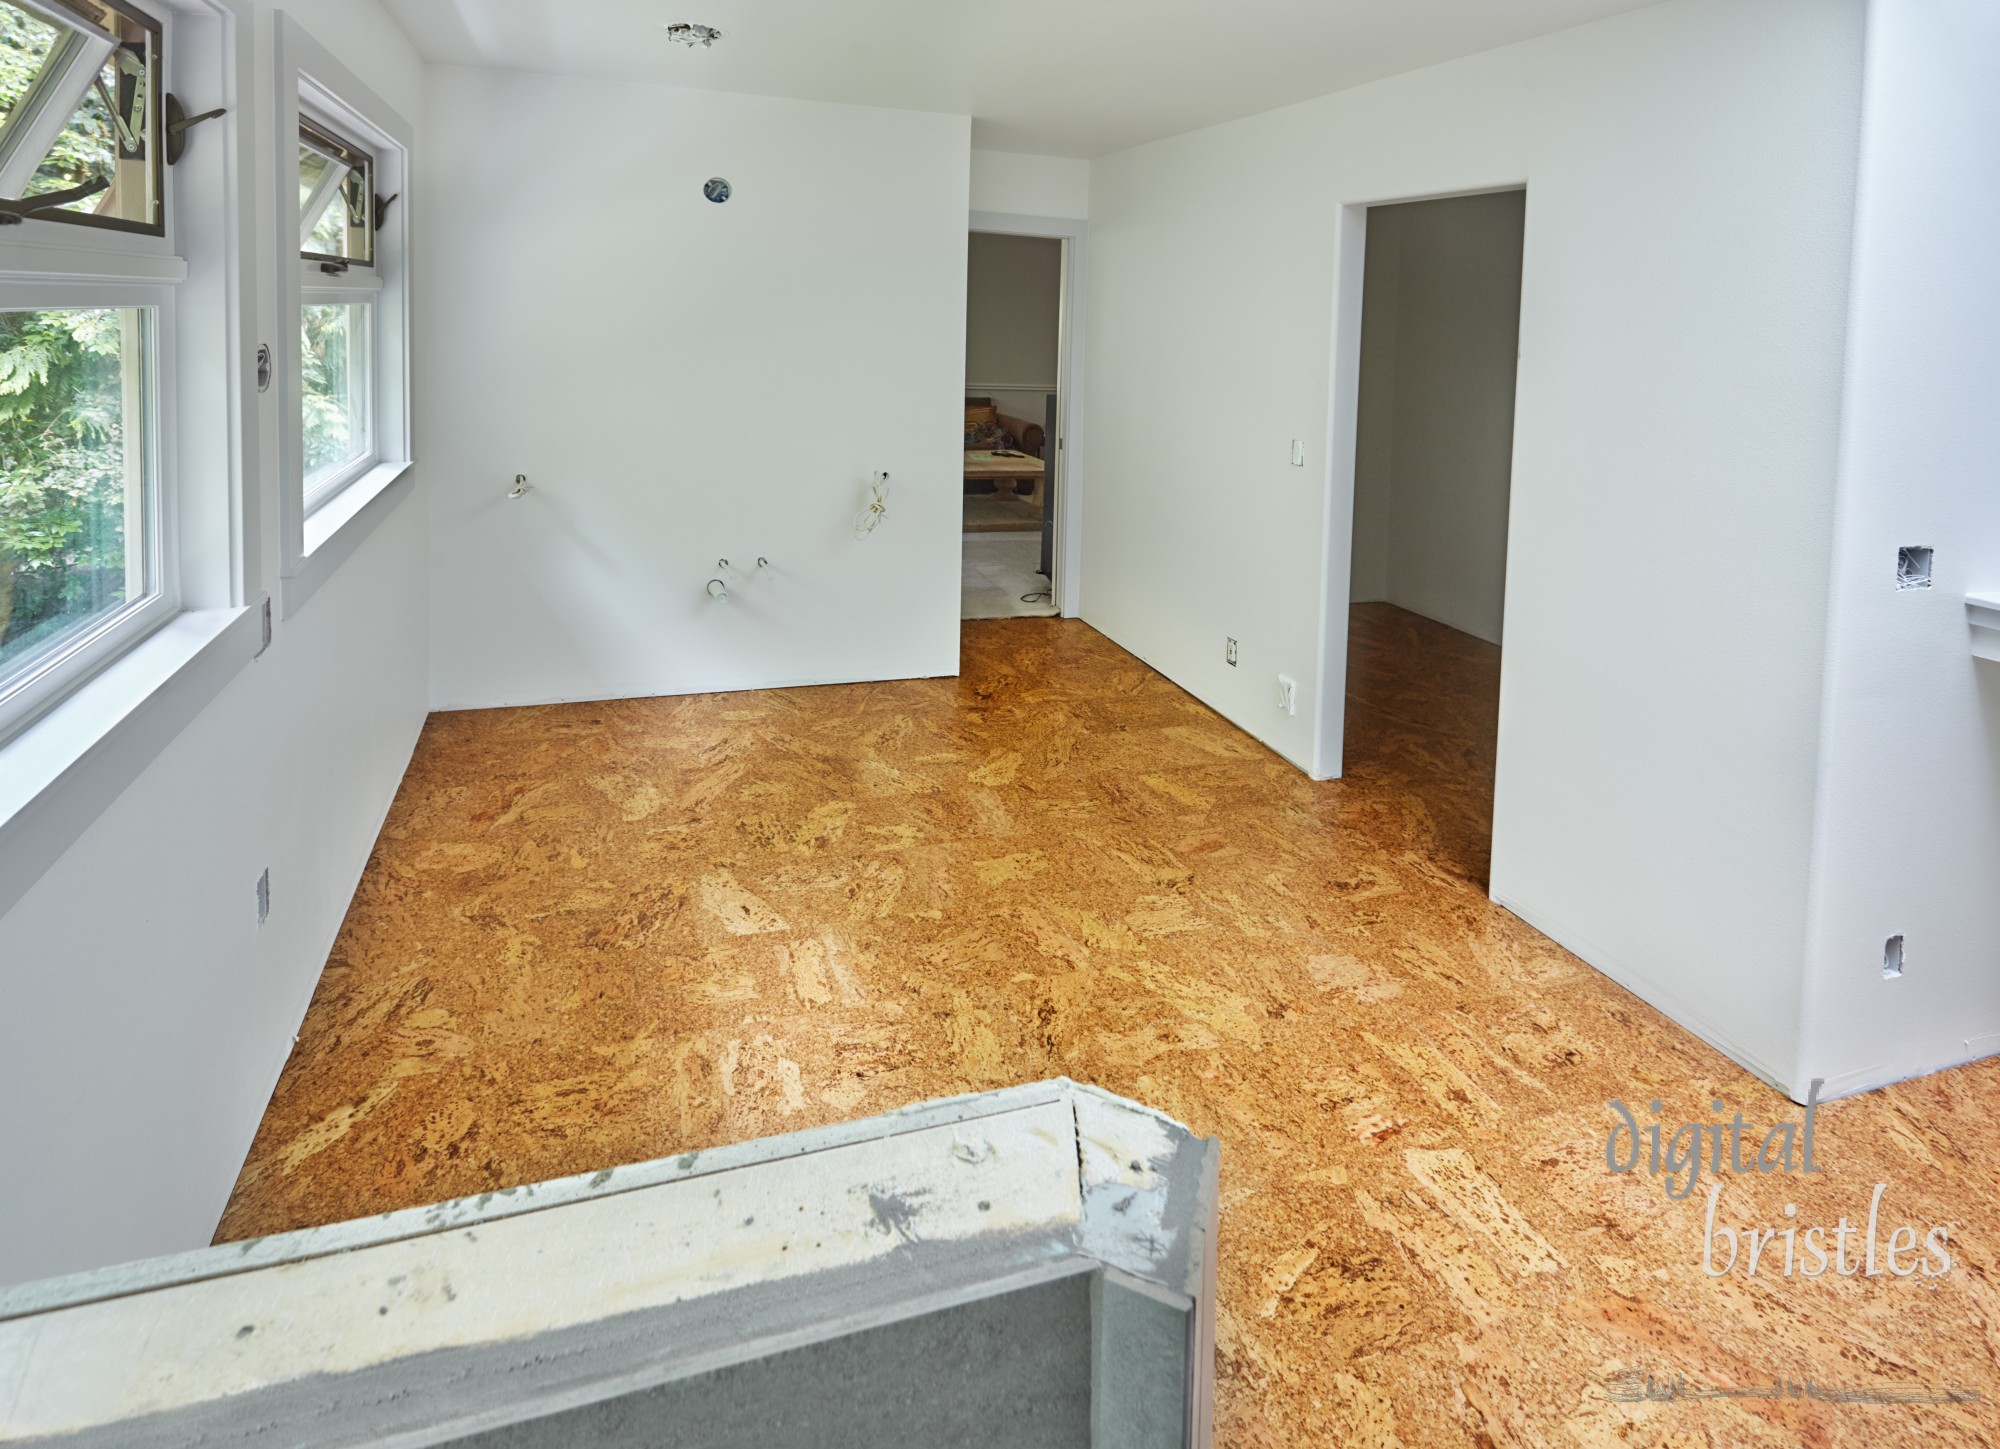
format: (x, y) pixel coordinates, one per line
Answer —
(598, 933)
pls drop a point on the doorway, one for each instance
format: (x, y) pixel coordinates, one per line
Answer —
(1013, 389)
(1433, 457)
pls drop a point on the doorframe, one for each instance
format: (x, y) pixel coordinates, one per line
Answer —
(1073, 233)
(1350, 254)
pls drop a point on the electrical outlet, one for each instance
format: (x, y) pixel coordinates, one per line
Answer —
(1288, 694)
(1892, 958)
(1229, 653)
(264, 896)
(1298, 453)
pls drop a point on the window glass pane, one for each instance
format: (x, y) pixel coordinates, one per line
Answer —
(336, 198)
(82, 114)
(76, 493)
(336, 392)
(26, 43)
(313, 168)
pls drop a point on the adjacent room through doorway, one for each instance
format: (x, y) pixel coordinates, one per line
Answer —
(1440, 338)
(1013, 351)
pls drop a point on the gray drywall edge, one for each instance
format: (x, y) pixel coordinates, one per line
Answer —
(1007, 1372)
(1151, 1340)
(246, 1257)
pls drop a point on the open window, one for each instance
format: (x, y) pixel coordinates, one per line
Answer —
(336, 200)
(345, 362)
(337, 205)
(338, 211)
(128, 547)
(87, 558)
(80, 114)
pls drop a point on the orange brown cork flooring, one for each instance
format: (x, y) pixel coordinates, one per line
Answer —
(598, 933)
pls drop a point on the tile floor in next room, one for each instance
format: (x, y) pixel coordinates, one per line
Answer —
(599, 933)
(1001, 578)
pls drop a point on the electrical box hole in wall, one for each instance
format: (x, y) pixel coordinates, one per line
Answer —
(1913, 568)
(1892, 958)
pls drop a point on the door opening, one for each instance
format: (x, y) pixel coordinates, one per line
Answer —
(1013, 458)
(1434, 437)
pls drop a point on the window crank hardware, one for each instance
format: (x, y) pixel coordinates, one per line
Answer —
(263, 367)
(382, 205)
(14, 211)
(179, 123)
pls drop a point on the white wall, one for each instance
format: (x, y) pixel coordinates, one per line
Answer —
(1021, 185)
(683, 382)
(1690, 168)
(1435, 435)
(144, 1017)
(1013, 320)
(1909, 827)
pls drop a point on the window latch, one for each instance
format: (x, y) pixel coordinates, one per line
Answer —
(14, 212)
(334, 269)
(179, 123)
(382, 205)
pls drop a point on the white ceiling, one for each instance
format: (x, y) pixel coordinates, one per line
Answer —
(1061, 77)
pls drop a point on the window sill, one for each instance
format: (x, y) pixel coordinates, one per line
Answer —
(337, 527)
(1983, 611)
(60, 773)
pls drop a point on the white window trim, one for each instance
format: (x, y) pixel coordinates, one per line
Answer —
(119, 706)
(319, 534)
(64, 668)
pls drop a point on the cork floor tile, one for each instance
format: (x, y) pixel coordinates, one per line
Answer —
(599, 933)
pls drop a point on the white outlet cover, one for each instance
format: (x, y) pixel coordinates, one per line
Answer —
(1288, 694)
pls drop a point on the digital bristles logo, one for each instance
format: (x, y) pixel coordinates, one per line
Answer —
(1809, 1251)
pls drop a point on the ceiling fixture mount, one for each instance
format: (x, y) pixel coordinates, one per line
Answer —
(693, 35)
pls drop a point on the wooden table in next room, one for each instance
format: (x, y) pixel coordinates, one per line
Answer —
(1005, 468)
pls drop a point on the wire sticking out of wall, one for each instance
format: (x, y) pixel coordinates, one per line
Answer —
(876, 509)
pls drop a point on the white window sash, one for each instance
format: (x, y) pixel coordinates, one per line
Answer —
(53, 96)
(32, 688)
(320, 519)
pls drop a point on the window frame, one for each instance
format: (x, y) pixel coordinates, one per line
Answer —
(156, 91)
(201, 556)
(321, 527)
(341, 149)
(55, 671)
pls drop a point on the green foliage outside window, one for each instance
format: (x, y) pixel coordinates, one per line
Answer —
(62, 472)
(333, 412)
(62, 445)
(87, 150)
